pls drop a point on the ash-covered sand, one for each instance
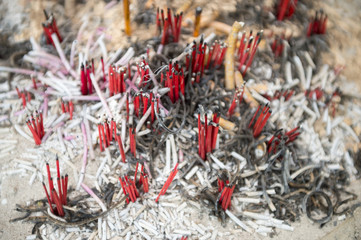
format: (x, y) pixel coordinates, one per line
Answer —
(15, 188)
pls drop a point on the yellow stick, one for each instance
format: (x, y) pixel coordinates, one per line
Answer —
(197, 22)
(232, 40)
(127, 17)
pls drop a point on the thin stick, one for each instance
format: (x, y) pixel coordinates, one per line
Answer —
(99, 93)
(127, 17)
(96, 198)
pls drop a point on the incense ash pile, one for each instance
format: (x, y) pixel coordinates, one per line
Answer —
(200, 129)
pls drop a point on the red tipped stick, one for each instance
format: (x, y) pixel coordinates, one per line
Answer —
(124, 189)
(223, 194)
(182, 84)
(209, 138)
(227, 205)
(83, 87)
(58, 204)
(38, 131)
(58, 177)
(71, 109)
(165, 30)
(170, 85)
(233, 105)
(35, 135)
(254, 116)
(145, 104)
(145, 184)
(111, 82)
(202, 144)
(168, 182)
(63, 187)
(121, 149)
(136, 105)
(57, 168)
(215, 132)
(62, 106)
(107, 132)
(152, 111)
(24, 99)
(176, 86)
(66, 188)
(134, 143)
(114, 129)
(283, 5)
(90, 85)
(47, 196)
(260, 118)
(261, 126)
(199, 134)
(51, 187)
(60, 191)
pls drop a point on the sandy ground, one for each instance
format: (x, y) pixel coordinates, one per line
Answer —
(344, 34)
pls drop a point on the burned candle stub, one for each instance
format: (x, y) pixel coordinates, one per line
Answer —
(177, 131)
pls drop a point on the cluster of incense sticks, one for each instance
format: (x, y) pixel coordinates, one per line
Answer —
(262, 118)
(195, 60)
(278, 46)
(169, 26)
(130, 186)
(287, 94)
(67, 108)
(207, 133)
(107, 133)
(247, 49)
(317, 92)
(116, 80)
(317, 24)
(59, 199)
(174, 80)
(164, 145)
(237, 99)
(36, 127)
(143, 72)
(86, 86)
(216, 54)
(142, 101)
(285, 8)
(24, 95)
(50, 27)
(168, 182)
(288, 137)
(226, 191)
